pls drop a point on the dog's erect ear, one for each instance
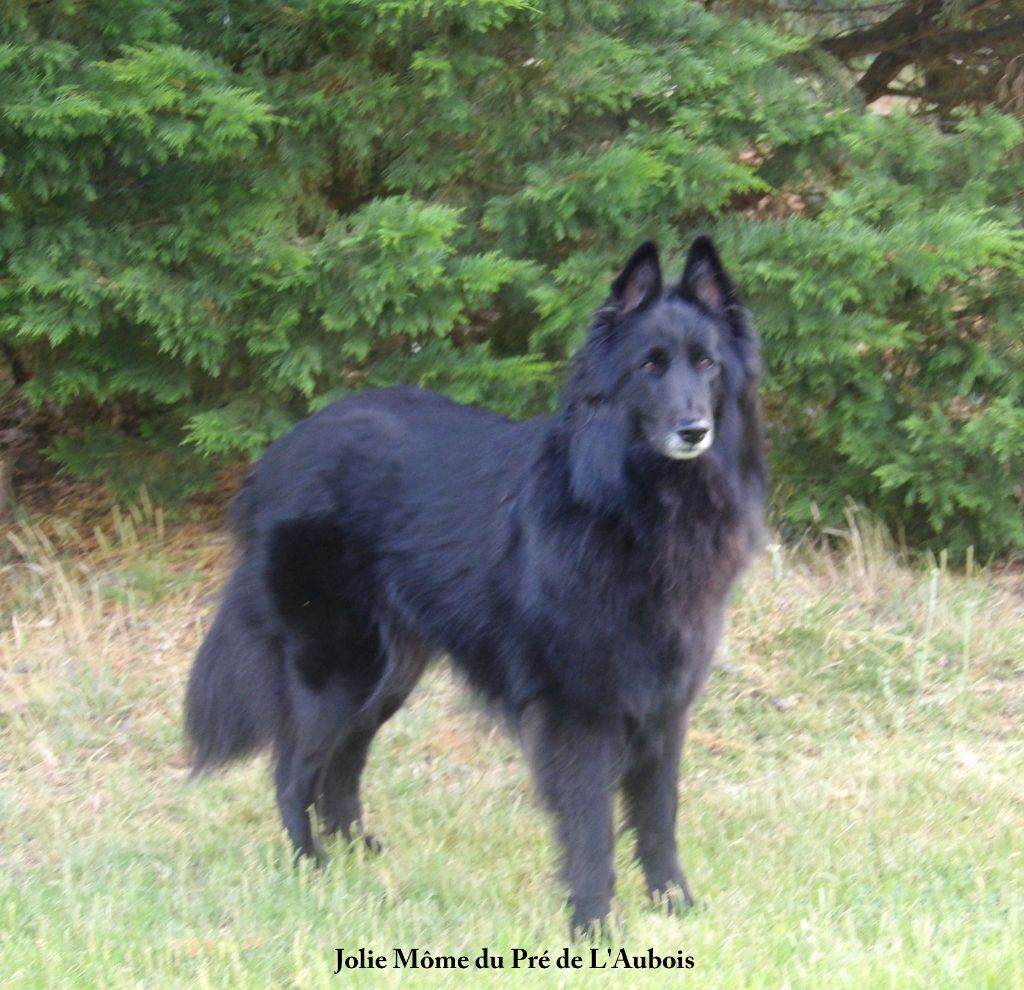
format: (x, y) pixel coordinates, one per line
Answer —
(640, 281)
(704, 279)
(597, 457)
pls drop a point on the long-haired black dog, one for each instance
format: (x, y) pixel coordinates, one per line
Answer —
(574, 567)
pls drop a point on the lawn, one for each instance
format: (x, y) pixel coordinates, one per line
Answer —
(852, 796)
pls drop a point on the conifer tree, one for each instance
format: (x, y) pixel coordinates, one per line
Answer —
(216, 217)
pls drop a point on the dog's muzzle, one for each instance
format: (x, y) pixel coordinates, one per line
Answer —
(689, 439)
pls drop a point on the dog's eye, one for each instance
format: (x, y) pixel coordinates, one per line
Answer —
(705, 363)
(655, 364)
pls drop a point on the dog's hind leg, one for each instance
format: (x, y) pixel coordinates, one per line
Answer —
(573, 762)
(338, 803)
(294, 785)
(320, 584)
(316, 714)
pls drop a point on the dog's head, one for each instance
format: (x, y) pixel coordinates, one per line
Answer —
(665, 372)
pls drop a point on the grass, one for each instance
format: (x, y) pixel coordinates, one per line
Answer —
(852, 796)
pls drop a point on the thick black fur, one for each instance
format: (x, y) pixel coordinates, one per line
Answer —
(575, 568)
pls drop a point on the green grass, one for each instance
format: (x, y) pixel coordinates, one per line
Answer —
(852, 797)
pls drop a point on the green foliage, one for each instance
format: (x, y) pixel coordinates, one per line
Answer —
(154, 461)
(891, 321)
(215, 219)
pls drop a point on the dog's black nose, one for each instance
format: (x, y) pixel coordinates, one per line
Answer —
(693, 433)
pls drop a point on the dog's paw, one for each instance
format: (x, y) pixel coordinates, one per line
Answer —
(673, 898)
(369, 842)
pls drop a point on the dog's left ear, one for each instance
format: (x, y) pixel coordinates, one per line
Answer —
(639, 283)
(704, 279)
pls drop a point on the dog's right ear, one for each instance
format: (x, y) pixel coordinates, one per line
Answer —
(639, 283)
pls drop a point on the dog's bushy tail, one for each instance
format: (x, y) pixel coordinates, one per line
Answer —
(236, 699)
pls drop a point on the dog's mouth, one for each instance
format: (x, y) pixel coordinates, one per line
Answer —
(684, 445)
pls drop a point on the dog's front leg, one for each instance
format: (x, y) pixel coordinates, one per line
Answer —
(650, 787)
(572, 760)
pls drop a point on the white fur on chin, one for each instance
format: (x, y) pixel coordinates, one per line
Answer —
(676, 448)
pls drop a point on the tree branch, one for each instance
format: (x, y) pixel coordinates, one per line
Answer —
(914, 33)
(902, 26)
(882, 71)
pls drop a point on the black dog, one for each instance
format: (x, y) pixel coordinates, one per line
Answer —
(575, 568)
